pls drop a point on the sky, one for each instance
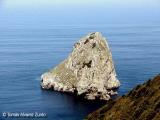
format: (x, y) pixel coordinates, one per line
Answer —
(110, 3)
(80, 11)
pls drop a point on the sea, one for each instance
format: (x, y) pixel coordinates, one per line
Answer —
(26, 53)
(32, 42)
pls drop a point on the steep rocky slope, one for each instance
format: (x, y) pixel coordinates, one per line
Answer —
(88, 70)
(142, 103)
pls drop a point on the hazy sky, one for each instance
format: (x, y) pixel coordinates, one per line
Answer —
(110, 3)
(81, 11)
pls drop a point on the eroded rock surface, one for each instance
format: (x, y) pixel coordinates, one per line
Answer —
(88, 70)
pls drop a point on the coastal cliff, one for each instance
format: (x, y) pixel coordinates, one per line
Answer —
(88, 70)
(141, 103)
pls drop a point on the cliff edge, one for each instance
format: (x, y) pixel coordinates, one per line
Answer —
(142, 103)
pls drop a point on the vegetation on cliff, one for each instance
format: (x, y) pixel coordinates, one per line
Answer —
(141, 103)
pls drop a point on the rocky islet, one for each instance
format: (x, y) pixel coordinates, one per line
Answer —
(89, 70)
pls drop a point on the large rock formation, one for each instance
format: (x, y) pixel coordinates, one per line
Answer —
(88, 70)
(141, 103)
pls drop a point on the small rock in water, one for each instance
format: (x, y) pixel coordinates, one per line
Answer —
(88, 70)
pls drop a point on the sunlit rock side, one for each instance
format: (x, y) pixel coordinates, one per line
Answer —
(88, 70)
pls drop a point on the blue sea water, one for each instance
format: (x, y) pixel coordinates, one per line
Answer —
(36, 35)
(27, 52)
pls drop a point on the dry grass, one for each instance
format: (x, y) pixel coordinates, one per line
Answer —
(142, 103)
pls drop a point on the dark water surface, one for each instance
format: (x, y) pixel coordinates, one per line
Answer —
(25, 53)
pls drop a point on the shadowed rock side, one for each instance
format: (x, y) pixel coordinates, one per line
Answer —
(88, 71)
(142, 103)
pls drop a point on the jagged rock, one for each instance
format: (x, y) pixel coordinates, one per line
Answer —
(88, 70)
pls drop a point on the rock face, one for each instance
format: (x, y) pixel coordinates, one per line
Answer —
(141, 103)
(88, 70)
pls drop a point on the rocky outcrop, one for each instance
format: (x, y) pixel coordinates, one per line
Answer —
(88, 71)
(141, 103)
